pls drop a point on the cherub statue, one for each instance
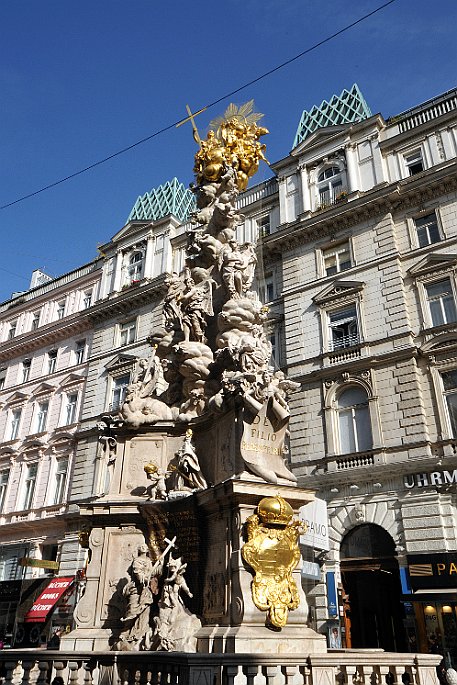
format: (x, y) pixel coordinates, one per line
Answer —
(157, 489)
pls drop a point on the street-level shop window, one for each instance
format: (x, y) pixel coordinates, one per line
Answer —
(354, 421)
(441, 302)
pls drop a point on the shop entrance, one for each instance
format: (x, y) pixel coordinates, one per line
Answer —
(373, 613)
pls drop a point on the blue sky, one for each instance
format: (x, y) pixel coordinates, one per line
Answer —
(81, 80)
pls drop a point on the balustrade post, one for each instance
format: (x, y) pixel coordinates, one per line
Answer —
(230, 674)
(59, 667)
(290, 673)
(27, 665)
(73, 667)
(43, 667)
(10, 667)
(251, 672)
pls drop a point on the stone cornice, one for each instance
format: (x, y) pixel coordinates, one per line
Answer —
(128, 300)
(383, 199)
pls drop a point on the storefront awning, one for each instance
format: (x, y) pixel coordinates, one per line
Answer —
(47, 600)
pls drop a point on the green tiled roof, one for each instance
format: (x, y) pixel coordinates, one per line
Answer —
(347, 108)
(171, 197)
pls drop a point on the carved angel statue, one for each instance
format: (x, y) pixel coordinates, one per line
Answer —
(185, 468)
(169, 623)
(237, 265)
(196, 304)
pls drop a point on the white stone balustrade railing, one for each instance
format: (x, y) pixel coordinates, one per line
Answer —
(339, 667)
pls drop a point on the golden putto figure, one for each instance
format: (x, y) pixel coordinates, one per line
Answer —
(272, 551)
(233, 141)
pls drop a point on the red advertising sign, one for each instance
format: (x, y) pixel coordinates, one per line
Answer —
(45, 603)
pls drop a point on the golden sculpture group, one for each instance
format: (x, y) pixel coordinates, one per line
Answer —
(272, 551)
(233, 141)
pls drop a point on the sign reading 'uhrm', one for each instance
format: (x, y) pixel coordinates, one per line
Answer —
(421, 480)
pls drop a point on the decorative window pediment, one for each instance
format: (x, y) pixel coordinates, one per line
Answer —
(17, 397)
(43, 389)
(33, 445)
(339, 290)
(71, 379)
(62, 440)
(432, 264)
(119, 362)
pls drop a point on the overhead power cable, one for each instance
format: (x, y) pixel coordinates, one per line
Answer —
(208, 106)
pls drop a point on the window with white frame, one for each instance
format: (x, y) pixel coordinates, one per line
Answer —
(26, 366)
(4, 478)
(80, 351)
(2, 378)
(264, 225)
(449, 379)
(12, 330)
(42, 416)
(414, 162)
(9, 557)
(441, 302)
(135, 266)
(28, 490)
(127, 332)
(337, 258)
(354, 421)
(87, 299)
(343, 327)
(71, 408)
(16, 415)
(119, 390)
(60, 310)
(427, 230)
(60, 480)
(35, 321)
(52, 361)
(331, 184)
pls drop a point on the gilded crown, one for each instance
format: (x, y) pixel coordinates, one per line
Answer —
(275, 510)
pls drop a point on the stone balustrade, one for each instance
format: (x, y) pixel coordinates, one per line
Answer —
(338, 667)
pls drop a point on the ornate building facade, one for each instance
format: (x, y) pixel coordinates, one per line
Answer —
(357, 248)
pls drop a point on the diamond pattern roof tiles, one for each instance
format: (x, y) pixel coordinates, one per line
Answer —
(347, 108)
(171, 197)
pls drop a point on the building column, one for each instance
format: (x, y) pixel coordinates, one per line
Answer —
(352, 170)
(304, 188)
(118, 271)
(149, 255)
(282, 200)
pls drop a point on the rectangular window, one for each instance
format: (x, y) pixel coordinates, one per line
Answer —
(120, 386)
(35, 321)
(60, 480)
(87, 299)
(70, 409)
(127, 333)
(12, 330)
(9, 567)
(4, 477)
(15, 423)
(344, 330)
(414, 163)
(427, 230)
(264, 226)
(60, 311)
(29, 486)
(337, 258)
(42, 417)
(2, 378)
(450, 394)
(441, 301)
(80, 351)
(26, 366)
(52, 361)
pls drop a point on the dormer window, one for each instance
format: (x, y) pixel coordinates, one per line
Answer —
(331, 184)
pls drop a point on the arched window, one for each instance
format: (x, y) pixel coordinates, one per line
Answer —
(354, 421)
(331, 183)
(135, 267)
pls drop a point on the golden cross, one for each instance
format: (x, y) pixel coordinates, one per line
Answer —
(191, 119)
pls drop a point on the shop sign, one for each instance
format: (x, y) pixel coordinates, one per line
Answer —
(421, 480)
(39, 563)
(428, 571)
(314, 514)
(311, 570)
(332, 601)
